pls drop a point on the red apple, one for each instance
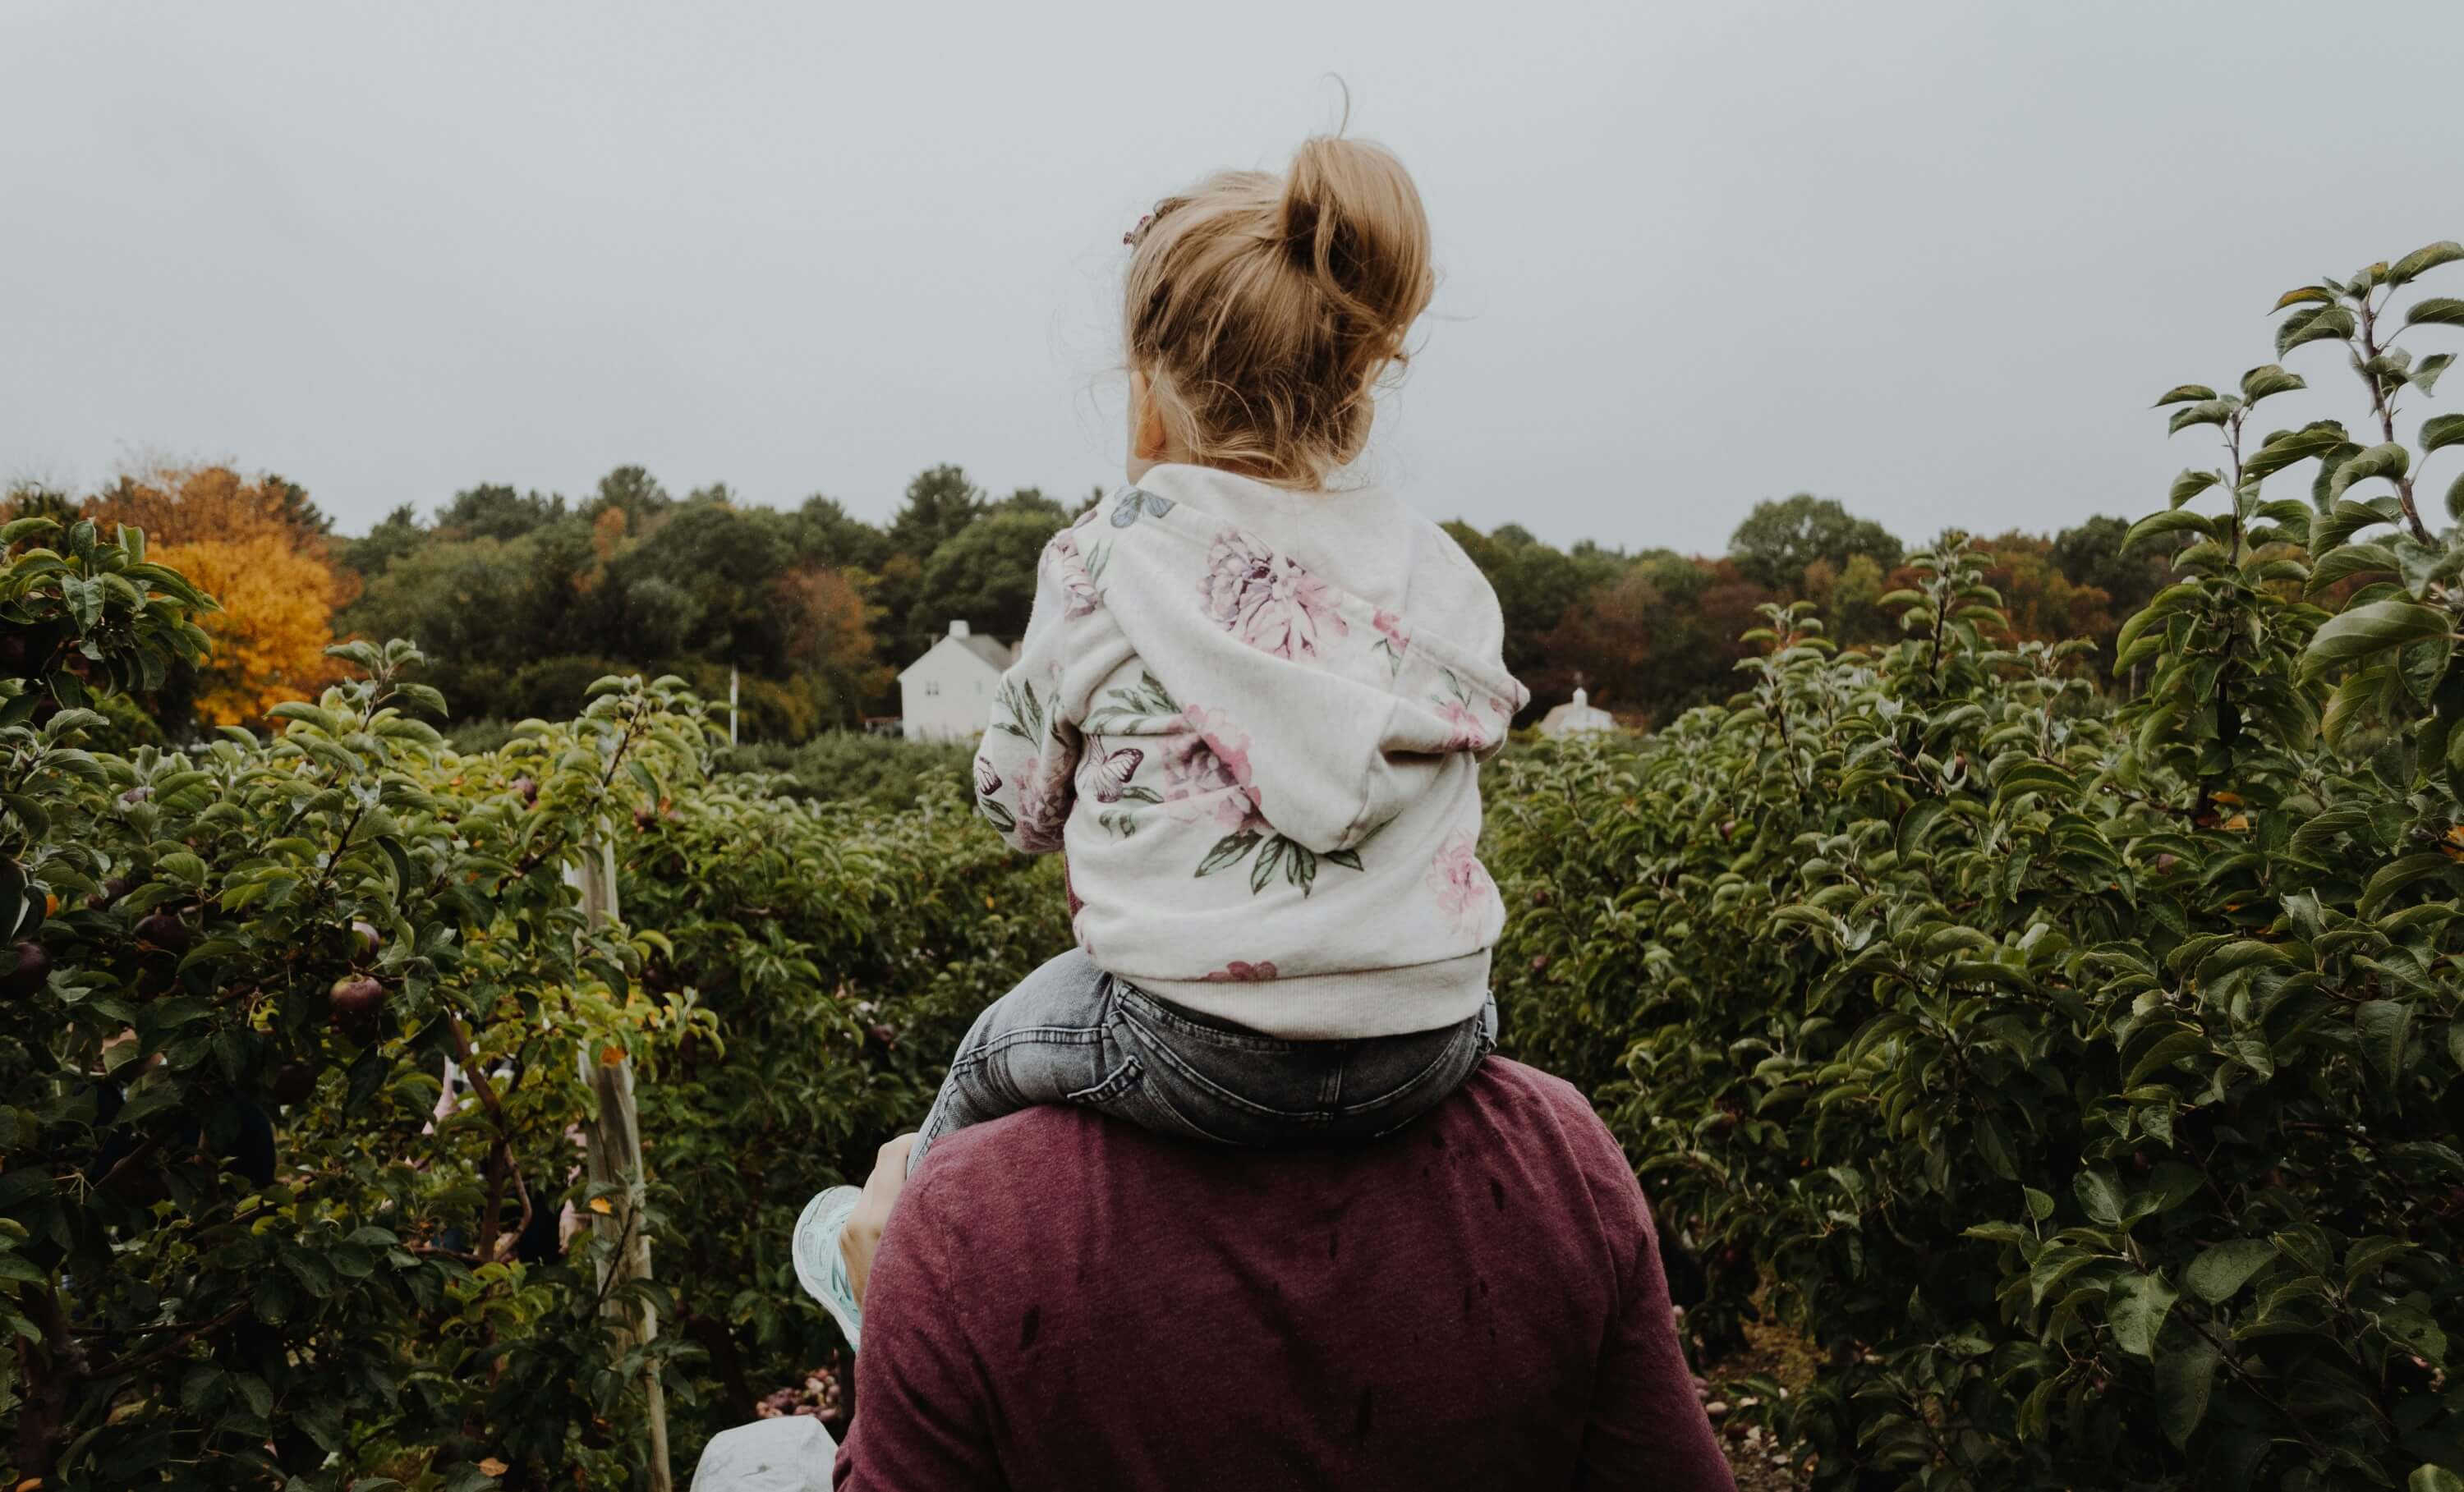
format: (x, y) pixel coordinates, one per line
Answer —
(34, 966)
(358, 1004)
(162, 930)
(294, 1082)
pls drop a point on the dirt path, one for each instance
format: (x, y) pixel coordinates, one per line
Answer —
(1760, 1464)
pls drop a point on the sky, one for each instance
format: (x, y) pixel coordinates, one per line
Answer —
(1934, 260)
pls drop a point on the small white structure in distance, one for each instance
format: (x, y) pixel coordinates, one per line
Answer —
(1575, 717)
(947, 694)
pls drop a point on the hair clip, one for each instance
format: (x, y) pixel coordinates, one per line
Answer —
(1131, 237)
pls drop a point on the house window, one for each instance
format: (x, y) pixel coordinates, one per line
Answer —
(932, 689)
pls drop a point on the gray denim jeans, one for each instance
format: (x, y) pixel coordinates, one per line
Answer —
(1072, 1034)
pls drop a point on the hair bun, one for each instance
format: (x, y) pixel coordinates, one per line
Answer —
(1351, 220)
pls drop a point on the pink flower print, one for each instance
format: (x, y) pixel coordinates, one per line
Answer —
(1212, 758)
(1467, 731)
(1237, 971)
(1077, 582)
(1044, 795)
(1265, 599)
(1394, 641)
(1461, 884)
(988, 780)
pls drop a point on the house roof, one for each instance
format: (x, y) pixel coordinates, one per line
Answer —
(1576, 717)
(991, 649)
(995, 654)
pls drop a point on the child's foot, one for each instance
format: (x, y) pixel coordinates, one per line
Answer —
(820, 1264)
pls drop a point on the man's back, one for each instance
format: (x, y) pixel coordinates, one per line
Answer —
(1066, 1302)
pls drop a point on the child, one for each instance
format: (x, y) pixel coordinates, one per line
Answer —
(1251, 709)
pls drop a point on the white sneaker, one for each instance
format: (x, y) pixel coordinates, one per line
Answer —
(820, 1264)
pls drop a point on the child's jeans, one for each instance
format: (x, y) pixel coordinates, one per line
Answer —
(1072, 1034)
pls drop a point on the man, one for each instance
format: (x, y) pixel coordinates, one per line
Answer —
(1474, 1302)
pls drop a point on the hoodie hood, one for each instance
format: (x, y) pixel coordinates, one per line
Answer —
(1253, 719)
(1333, 650)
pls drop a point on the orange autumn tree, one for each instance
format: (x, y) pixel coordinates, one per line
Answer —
(261, 548)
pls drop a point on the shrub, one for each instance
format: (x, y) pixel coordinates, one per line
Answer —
(241, 1237)
(843, 766)
(2085, 1088)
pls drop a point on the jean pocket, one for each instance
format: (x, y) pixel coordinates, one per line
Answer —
(1391, 1087)
(1122, 1081)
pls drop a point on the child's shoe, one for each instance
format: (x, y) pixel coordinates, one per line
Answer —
(821, 1265)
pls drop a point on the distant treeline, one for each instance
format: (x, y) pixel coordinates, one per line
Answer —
(525, 598)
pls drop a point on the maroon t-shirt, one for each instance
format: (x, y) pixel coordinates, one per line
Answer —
(1066, 1302)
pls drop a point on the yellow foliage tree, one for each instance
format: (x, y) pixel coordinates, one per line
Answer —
(277, 621)
(181, 505)
(258, 546)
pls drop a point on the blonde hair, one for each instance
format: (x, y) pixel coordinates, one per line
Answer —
(1265, 310)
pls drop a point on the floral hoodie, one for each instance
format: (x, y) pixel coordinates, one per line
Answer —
(1254, 718)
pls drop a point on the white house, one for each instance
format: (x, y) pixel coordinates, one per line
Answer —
(947, 694)
(1576, 717)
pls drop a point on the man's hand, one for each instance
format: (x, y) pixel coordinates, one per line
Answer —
(862, 1239)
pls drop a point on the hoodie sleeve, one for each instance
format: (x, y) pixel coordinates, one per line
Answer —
(1026, 768)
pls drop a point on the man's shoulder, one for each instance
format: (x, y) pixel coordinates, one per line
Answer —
(1534, 1086)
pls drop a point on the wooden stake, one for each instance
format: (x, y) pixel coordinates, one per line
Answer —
(612, 1152)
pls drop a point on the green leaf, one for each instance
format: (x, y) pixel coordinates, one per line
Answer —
(2323, 323)
(2373, 628)
(2135, 1310)
(2189, 484)
(2436, 311)
(2220, 1272)
(2424, 373)
(2434, 1479)
(2183, 394)
(2441, 430)
(2213, 411)
(2269, 378)
(2396, 875)
(2100, 1195)
(2384, 1024)
(2293, 445)
(2426, 257)
(2424, 566)
(2184, 1374)
(2307, 292)
(2164, 1054)
(2350, 703)
(2348, 519)
(2389, 460)
(1994, 1148)
(2177, 521)
(2349, 561)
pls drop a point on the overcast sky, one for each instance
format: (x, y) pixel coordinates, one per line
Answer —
(1932, 259)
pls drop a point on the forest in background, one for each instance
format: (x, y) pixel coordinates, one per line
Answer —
(521, 598)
